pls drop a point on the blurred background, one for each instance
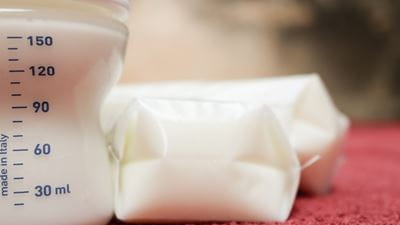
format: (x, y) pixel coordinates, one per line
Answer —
(353, 44)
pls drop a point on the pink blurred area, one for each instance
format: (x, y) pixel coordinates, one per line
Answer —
(354, 45)
(172, 39)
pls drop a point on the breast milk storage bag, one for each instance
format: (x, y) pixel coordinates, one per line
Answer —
(314, 126)
(202, 161)
(58, 60)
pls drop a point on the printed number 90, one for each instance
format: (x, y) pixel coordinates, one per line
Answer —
(41, 107)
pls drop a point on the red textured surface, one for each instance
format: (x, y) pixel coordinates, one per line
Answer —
(367, 188)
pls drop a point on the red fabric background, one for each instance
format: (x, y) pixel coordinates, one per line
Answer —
(367, 188)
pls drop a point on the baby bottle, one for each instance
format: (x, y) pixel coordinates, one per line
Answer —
(58, 60)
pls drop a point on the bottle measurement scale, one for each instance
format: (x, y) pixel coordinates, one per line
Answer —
(58, 61)
(21, 149)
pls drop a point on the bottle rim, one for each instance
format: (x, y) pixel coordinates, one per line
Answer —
(117, 9)
(122, 3)
(120, 8)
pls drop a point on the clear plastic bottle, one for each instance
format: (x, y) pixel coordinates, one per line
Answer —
(58, 60)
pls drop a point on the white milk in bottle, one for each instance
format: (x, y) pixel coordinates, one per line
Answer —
(58, 60)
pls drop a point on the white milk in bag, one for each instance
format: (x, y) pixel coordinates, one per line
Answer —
(301, 103)
(58, 60)
(202, 161)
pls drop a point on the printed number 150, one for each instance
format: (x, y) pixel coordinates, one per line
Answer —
(40, 40)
